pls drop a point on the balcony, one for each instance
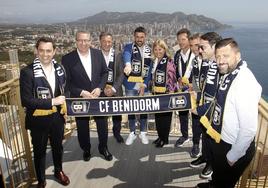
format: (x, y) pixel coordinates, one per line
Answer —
(137, 165)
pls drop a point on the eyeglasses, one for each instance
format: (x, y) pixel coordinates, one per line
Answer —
(201, 47)
(83, 40)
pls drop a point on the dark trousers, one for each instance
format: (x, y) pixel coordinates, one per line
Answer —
(54, 131)
(183, 115)
(83, 134)
(116, 124)
(206, 153)
(196, 127)
(162, 123)
(224, 175)
(1, 181)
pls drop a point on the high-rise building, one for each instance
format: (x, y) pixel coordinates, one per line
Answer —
(13, 56)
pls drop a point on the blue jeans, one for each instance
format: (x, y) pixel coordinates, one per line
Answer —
(131, 118)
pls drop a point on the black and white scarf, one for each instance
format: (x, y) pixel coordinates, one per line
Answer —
(140, 64)
(42, 89)
(213, 118)
(183, 68)
(196, 71)
(203, 72)
(160, 76)
(111, 68)
(209, 84)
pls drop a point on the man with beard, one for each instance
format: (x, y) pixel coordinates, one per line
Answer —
(138, 65)
(232, 117)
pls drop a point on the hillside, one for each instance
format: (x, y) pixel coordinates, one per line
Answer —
(198, 22)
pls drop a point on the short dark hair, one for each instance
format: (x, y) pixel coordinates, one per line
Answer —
(226, 42)
(45, 39)
(211, 37)
(104, 34)
(140, 30)
(194, 36)
(184, 30)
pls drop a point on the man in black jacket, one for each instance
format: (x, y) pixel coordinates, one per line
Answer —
(42, 86)
(115, 79)
(86, 77)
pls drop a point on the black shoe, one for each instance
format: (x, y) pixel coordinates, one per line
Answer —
(195, 152)
(200, 161)
(181, 141)
(107, 155)
(157, 141)
(206, 172)
(119, 138)
(86, 155)
(160, 144)
(204, 185)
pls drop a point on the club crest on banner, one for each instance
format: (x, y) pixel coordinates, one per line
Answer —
(80, 106)
(177, 102)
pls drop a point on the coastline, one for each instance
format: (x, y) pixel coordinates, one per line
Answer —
(253, 42)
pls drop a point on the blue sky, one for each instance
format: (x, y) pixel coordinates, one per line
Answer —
(49, 11)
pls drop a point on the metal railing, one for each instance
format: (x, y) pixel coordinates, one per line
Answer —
(16, 160)
(16, 167)
(257, 172)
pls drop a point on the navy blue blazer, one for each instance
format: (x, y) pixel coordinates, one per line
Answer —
(77, 78)
(31, 102)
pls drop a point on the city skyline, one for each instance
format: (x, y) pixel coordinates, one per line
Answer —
(51, 11)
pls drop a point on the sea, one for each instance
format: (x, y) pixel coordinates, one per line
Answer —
(253, 42)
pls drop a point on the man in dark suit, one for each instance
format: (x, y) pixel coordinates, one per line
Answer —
(115, 79)
(86, 77)
(42, 86)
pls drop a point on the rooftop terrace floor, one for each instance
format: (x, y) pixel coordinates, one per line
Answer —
(137, 165)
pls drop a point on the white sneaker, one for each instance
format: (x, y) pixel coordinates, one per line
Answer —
(130, 139)
(144, 138)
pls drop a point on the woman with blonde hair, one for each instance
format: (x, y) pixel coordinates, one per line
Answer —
(164, 81)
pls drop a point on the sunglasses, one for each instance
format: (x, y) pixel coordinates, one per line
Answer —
(201, 47)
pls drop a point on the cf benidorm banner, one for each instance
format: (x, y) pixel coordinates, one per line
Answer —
(104, 106)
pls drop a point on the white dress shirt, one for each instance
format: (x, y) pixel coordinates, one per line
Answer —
(240, 117)
(86, 62)
(50, 76)
(189, 68)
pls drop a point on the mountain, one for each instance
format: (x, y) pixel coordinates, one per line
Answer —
(191, 21)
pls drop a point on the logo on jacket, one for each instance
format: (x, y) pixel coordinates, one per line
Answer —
(160, 77)
(43, 93)
(217, 115)
(110, 75)
(136, 66)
